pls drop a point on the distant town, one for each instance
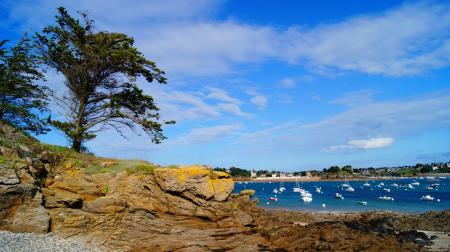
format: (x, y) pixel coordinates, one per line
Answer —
(347, 171)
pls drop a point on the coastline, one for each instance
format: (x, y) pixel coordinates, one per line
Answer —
(320, 179)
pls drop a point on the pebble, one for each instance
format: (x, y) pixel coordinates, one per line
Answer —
(21, 242)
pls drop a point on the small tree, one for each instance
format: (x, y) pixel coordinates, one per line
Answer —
(100, 70)
(22, 102)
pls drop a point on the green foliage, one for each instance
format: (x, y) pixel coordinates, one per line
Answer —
(21, 100)
(144, 168)
(220, 169)
(238, 172)
(100, 70)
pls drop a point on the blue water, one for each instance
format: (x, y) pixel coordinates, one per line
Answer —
(404, 200)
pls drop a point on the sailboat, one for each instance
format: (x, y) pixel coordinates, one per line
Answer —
(297, 187)
(346, 183)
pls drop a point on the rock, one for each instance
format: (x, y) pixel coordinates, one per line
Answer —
(8, 176)
(31, 217)
(200, 181)
(57, 198)
(104, 205)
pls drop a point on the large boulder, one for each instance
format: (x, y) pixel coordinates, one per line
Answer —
(201, 181)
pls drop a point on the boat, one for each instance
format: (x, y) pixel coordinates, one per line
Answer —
(410, 186)
(346, 184)
(415, 183)
(349, 189)
(338, 196)
(427, 198)
(434, 185)
(366, 184)
(318, 190)
(381, 184)
(387, 189)
(385, 198)
(275, 191)
(307, 199)
(394, 185)
(362, 202)
(297, 189)
(305, 194)
(429, 188)
(273, 199)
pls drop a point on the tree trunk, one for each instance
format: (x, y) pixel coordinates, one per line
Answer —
(76, 144)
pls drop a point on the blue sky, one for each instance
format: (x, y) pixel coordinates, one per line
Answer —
(282, 85)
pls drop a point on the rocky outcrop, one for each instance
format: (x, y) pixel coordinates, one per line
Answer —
(197, 181)
(189, 208)
(20, 204)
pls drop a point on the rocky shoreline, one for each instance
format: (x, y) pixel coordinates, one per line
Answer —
(177, 209)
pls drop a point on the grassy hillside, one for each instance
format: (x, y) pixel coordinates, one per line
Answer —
(18, 149)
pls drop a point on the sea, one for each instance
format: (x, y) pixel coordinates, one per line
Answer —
(405, 198)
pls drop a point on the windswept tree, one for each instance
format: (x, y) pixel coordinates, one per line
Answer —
(100, 70)
(23, 103)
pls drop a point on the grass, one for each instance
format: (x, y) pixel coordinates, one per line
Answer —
(3, 159)
(116, 166)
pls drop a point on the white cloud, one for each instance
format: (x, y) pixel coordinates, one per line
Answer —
(184, 38)
(407, 40)
(233, 109)
(259, 101)
(372, 143)
(287, 82)
(221, 95)
(397, 119)
(208, 134)
(355, 98)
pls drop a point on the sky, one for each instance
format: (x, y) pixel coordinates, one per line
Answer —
(278, 85)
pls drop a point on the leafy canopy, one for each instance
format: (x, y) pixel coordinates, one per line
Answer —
(22, 102)
(100, 70)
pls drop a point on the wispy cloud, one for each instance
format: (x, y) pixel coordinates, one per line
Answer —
(207, 134)
(259, 101)
(355, 98)
(410, 39)
(396, 119)
(372, 143)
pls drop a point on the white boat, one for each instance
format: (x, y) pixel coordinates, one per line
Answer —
(394, 185)
(346, 184)
(385, 198)
(427, 198)
(362, 202)
(307, 199)
(387, 189)
(338, 196)
(381, 184)
(415, 183)
(350, 189)
(429, 188)
(366, 184)
(318, 190)
(410, 186)
(297, 189)
(305, 194)
(275, 191)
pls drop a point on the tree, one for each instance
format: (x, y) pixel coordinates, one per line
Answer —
(22, 102)
(348, 169)
(238, 172)
(100, 70)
